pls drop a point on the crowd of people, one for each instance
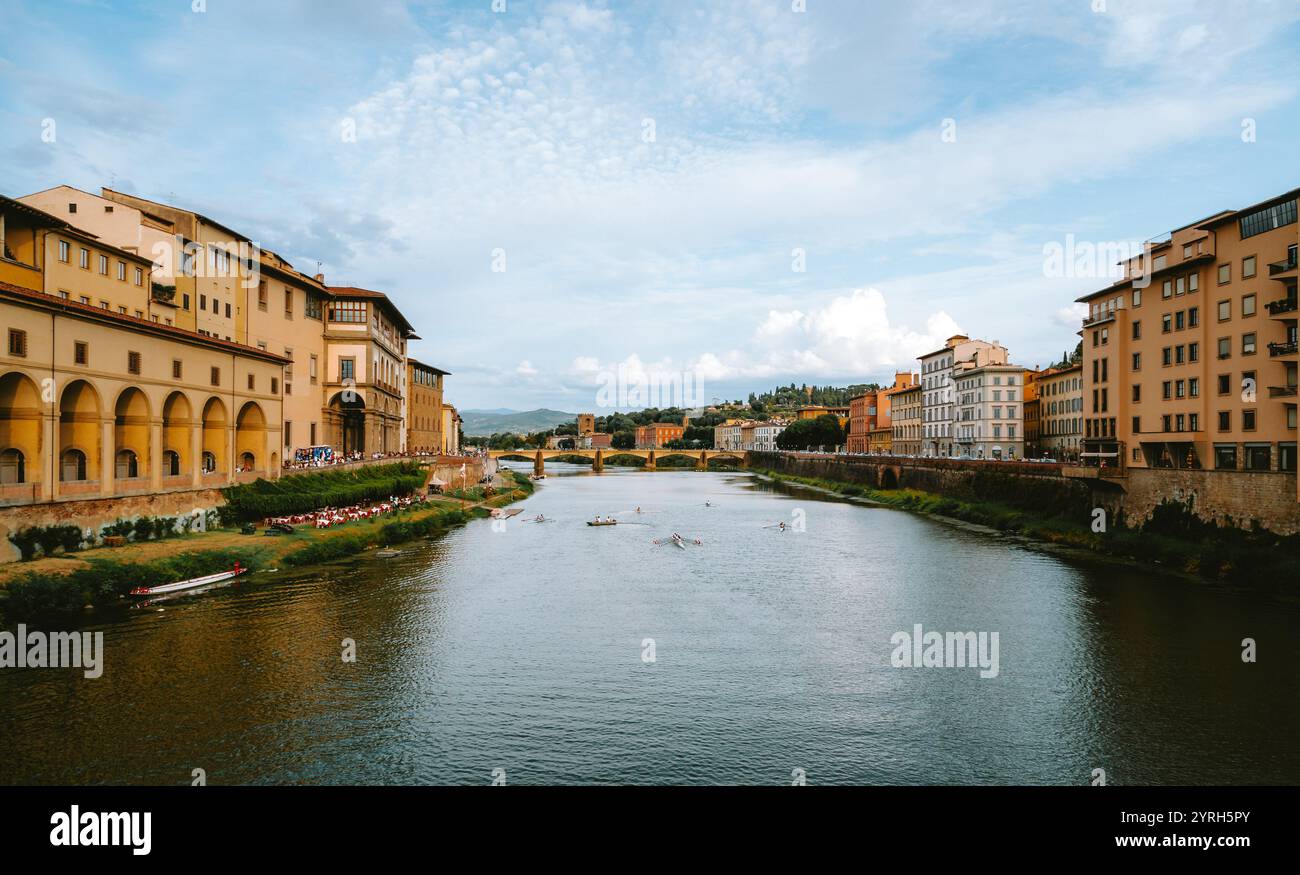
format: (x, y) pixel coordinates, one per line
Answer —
(334, 516)
(327, 460)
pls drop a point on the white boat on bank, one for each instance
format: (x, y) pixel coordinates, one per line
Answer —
(192, 583)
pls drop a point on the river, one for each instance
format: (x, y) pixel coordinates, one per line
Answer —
(557, 653)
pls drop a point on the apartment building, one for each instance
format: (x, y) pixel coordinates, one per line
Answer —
(862, 420)
(989, 420)
(1060, 405)
(906, 421)
(959, 353)
(98, 402)
(423, 419)
(729, 435)
(760, 436)
(451, 423)
(1190, 358)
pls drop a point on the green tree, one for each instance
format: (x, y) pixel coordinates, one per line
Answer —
(623, 440)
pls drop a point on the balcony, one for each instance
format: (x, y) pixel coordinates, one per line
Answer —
(1281, 391)
(1281, 349)
(1281, 307)
(1278, 268)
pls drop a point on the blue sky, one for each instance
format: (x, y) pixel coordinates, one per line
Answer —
(774, 130)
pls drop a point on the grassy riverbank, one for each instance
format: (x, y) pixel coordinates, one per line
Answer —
(1173, 538)
(103, 576)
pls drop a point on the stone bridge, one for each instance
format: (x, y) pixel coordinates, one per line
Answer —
(598, 456)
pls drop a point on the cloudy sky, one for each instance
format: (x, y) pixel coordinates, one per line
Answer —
(747, 191)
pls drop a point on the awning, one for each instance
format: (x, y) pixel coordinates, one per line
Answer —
(434, 481)
(1102, 455)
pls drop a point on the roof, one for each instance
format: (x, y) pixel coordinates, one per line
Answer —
(46, 219)
(107, 193)
(372, 295)
(439, 371)
(1228, 215)
(147, 326)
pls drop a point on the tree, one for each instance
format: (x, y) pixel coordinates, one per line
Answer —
(623, 440)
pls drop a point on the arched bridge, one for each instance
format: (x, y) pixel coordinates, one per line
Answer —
(598, 456)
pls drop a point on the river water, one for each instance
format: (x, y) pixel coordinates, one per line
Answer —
(556, 653)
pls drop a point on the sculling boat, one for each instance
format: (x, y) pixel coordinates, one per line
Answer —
(603, 523)
(192, 583)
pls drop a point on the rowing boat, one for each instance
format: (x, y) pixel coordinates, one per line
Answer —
(608, 523)
(192, 583)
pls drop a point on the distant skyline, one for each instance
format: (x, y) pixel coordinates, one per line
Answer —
(740, 191)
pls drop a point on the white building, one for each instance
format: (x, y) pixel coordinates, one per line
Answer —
(760, 436)
(990, 412)
(728, 436)
(958, 354)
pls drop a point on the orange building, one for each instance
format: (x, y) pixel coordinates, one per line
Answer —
(870, 429)
(657, 434)
(1189, 361)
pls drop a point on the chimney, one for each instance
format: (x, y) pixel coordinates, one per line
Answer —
(320, 278)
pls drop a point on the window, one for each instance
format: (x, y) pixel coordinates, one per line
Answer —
(1248, 420)
(1248, 343)
(1179, 355)
(1225, 311)
(1248, 267)
(1137, 425)
(312, 308)
(275, 385)
(72, 208)
(1159, 262)
(1193, 317)
(1248, 305)
(1137, 330)
(1225, 422)
(17, 343)
(1181, 286)
(176, 369)
(1193, 422)
(1193, 352)
(347, 311)
(216, 376)
(311, 370)
(1166, 356)
(80, 353)
(252, 384)
(139, 276)
(1193, 282)
(1137, 392)
(261, 295)
(1166, 324)
(121, 271)
(84, 258)
(1137, 297)
(185, 302)
(103, 265)
(63, 251)
(1165, 422)
(1225, 347)
(1194, 388)
(1225, 384)
(1225, 273)
(133, 362)
(1225, 457)
(1258, 457)
(1267, 219)
(288, 303)
(203, 302)
(1166, 389)
(1168, 289)
(1286, 456)
(1187, 251)
(1137, 361)
(347, 369)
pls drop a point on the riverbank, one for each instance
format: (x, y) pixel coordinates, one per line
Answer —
(103, 575)
(1173, 539)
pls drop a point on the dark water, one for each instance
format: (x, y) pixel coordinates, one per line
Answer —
(522, 650)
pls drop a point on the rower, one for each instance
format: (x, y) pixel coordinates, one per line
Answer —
(782, 526)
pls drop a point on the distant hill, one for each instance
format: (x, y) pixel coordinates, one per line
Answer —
(488, 422)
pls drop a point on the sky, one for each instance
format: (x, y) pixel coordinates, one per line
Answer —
(733, 193)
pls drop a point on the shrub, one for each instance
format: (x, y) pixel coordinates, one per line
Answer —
(303, 493)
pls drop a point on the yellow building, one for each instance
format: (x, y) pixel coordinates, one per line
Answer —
(96, 402)
(423, 407)
(450, 430)
(365, 371)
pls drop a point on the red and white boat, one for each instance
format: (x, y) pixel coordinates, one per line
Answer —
(192, 583)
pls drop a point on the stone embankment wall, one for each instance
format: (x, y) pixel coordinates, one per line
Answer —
(93, 514)
(1232, 498)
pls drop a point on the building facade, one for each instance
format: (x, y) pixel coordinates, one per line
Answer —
(989, 420)
(656, 434)
(938, 370)
(1060, 407)
(906, 422)
(96, 402)
(1190, 358)
(423, 407)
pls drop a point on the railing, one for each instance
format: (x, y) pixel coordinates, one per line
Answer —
(1277, 349)
(1282, 266)
(1281, 391)
(1285, 305)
